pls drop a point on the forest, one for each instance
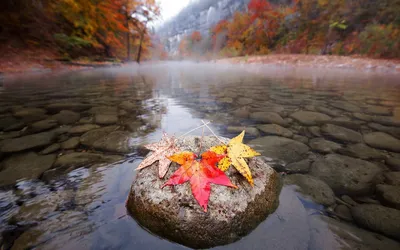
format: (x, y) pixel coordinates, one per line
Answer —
(338, 27)
(97, 29)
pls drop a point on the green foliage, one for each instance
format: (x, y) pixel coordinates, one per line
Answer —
(339, 25)
(71, 42)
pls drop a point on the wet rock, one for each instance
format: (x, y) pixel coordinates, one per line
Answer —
(309, 118)
(363, 117)
(89, 138)
(346, 122)
(15, 126)
(66, 117)
(328, 111)
(27, 142)
(27, 165)
(83, 159)
(81, 129)
(315, 131)
(366, 199)
(105, 119)
(301, 167)
(9, 135)
(30, 114)
(393, 163)
(86, 120)
(341, 134)
(378, 218)
(346, 175)
(300, 138)
(7, 122)
(348, 200)
(386, 120)
(51, 149)
(274, 129)
(389, 195)
(382, 140)
(244, 101)
(362, 151)
(106, 110)
(249, 130)
(281, 148)
(232, 213)
(226, 100)
(323, 146)
(43, 125)
(378, 110)
(392, 178)
(128, 106)
(312, 187)
(343, 212)
(389, 130)
(117, 142)
(346, 106)
(243, 112)
(76, 107)
(268, 117)
(71, 143)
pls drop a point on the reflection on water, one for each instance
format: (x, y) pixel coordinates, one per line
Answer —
(91, 124)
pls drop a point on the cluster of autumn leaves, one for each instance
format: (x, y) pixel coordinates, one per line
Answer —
(210, 168)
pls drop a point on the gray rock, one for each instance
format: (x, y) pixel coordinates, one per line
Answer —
(105, 119)
(83, 159)
(71, 143)
(274, 129)
(328, 111)
(300, 138)
(393, 163)
(312, 187)
(323, 146)
(249, 130)
(301, 167)
(81, 129)
(382, 141)
(226, 100)
(378, 110)
(43, 125)
(232, 213)
(117, 142)
(128, 106)
(343, 212)
(51, 149)
(315, 131)
(107, 110)
(77, 107)
(27, 142)
(268, 117)
(341, 134)
(389, 195)
(89, 138)
(386, 120)
(66, 117)
(86, 120)
(242, 112)
(280, 148)
(346, 175)
(346, 122)
(378, 218)
(392, 178)
(30, 114)
(244, 101)
(309, 118)
(394, 131)
(363, 117)
(346, 106)
(362, 151)
(27, 165)
(348, 200)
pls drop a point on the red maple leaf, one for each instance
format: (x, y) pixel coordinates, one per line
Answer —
(200, 174)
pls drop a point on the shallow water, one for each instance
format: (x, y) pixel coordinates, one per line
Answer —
(82, 206)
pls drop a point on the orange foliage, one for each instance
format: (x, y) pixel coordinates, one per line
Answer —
(195, 37)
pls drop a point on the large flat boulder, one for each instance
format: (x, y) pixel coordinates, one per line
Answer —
(27, 142)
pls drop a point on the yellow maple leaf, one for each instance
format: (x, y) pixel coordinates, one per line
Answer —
(236, 152)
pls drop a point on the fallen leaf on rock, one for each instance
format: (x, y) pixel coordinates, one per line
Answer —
(235, 152)
(200, 174)
(161, 149)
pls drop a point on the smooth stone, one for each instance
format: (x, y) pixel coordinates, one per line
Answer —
(26, 165)
(309, 118)
(378, 110)
(382, 140)
(83, 159)
(343, 212)
(389, 195)
(7, 122)
(66, 117)
(243, 112)
(9, 135)
(89, 138)
(315, 131)
(15, 126)
(346, 122)
(105, 119)
(30, 114)
(346, 106)
(323, 146)
(346, 175)
(51, 149)
(327, 111)
(362, 151)
(77, 107)
(81, 129)
(86, 120)
(392, 178)
(249, 130)
(280, 148)
(43, 125)
(301, 167)
(107, 110)
(274, 129)
(300, 138)
(128, 106)
(244, 101)
(393, 163)
(366, 199)
(117, 142)
(378, 218)
(71, 143)
(232, 213)
(341, 133)
(363, 117)
(386, 120)
(268, 117)
(394, 131)
(27, 142)
(348, 200)
(312, 187)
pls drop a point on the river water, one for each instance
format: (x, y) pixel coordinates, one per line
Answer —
(70, 143)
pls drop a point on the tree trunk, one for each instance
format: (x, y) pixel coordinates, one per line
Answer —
(140, 48)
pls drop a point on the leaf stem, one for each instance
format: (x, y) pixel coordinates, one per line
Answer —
(205, 124)
(216, 136)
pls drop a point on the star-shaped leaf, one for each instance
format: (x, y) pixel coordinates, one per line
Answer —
(236, 152)
(161, 149)
(200, 174)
